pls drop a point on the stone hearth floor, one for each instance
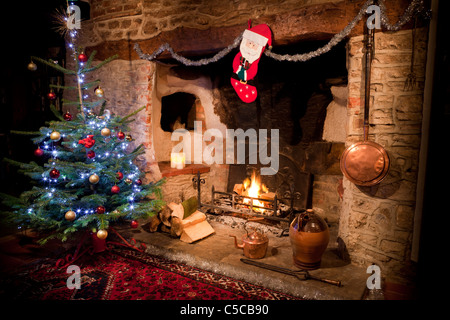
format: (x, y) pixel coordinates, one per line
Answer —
(217, 253)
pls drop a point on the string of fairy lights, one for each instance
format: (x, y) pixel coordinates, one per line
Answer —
(416, 7)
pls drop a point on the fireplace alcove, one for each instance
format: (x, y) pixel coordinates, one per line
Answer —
(293, 97)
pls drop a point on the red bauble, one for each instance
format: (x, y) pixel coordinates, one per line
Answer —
(67, 116)
(54, 173)
(115, 189)
(100, 210)
(91, 154)
(82, 57)
(138, 182)
(134, 224)
(38, 152)
(51, 95)
(119, 175)
(120, 135)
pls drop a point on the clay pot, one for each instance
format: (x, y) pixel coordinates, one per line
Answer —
(309, 237)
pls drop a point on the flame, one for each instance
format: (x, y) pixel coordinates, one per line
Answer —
(254, 191)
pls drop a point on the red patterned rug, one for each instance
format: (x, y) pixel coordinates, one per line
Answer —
(125, 274)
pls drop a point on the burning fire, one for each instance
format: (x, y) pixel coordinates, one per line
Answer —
(254, 191)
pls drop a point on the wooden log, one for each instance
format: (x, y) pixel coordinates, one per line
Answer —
(194, 218)
(177, 210)
(165, 216)
(177, 227)
(154, 223)
(165, 228)
(238, 188)
(196, 232)
(267, 196)
(190, 206)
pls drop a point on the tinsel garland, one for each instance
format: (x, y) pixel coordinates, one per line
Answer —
(415, 7)
(183, 60)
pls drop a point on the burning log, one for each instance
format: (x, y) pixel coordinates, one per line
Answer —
(268, 196)
(238, 188)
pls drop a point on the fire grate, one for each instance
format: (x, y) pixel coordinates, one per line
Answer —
(277, 209)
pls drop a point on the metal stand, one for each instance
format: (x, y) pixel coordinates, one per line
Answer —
(235, 199)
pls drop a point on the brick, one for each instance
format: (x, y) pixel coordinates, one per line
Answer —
(113, 24)
(354, 102)
(114, 9)
(404, 216)
(393, 247)
(409, 103)
(125, 24)
(381, 117)
(150, 27)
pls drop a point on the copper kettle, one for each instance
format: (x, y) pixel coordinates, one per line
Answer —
(254, 243)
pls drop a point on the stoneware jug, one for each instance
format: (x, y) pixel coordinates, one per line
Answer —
(309, 235)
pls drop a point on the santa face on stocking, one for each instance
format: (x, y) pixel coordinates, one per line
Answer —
(245, 63)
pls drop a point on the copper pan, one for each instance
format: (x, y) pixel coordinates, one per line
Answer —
(365, 163)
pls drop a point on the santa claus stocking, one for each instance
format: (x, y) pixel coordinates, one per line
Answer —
(245, 63)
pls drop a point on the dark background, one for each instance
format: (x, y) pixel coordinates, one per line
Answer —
(27, 29)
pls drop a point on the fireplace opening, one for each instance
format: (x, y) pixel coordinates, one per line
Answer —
(306, 102)
(294, 98)
(178, 111)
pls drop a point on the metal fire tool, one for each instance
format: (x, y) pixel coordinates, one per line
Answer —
(301, 275)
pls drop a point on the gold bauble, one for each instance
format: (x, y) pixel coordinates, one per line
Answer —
(128, 137)
(55, 136)
(94, 178)
(128, 181)
(99, 92)
(102, 234)
(70, 215)
(105, 132)
(32, 66)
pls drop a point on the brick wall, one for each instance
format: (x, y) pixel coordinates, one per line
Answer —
(376, 223)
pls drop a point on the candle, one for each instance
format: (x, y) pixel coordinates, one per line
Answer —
(177, 160)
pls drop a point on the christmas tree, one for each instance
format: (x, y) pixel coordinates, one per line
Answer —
(88, 177)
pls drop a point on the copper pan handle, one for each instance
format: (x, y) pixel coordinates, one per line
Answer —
(369, 49)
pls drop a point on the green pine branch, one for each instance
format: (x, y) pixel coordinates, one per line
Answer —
(101, 64)
(56, 112)
(91, 58)
(32, 166)
(53, 65)
(132, 114)
(26, 133)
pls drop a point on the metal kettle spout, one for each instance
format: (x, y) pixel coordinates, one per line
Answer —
(239, 246)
